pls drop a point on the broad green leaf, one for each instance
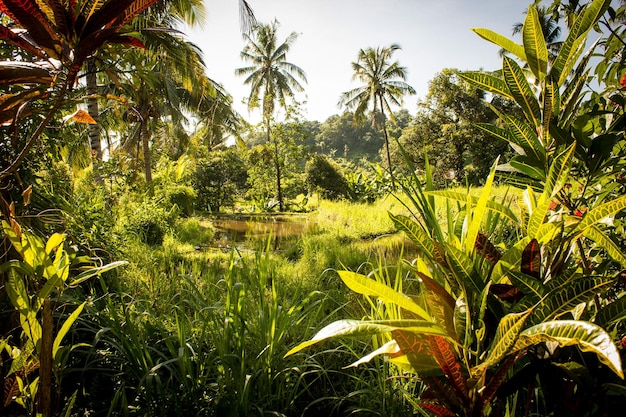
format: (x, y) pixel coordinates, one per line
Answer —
(548, 232)
(15, 240)
(528, 167)
(568, 296)
(526, 137)
(488, 82)
(527, 284)
(587, 336)
(415, 232)
(595, 215)
(535, 44)
(521, 91)
(462, 267)
(492, 205)
(16, 290)
(611, 314)
(366, 286)
(548, 108)
(478, 212)
(65, 328)
(503, 42)
(559, 173)
(602, 240)
(506, 336)
(502, 134)
(575, 42)
(52, 283)
(537, 218)
(510, 261)
(359, 328)
(54, 241)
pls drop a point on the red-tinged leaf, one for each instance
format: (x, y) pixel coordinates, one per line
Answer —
(506, 292)
(444, 355)
(137, 7)
(531, 259)
(440, 303)
(438, 410)
(498, 378)
(485, 248)
(28, 15)
(23, 73)
(127, 40)
(26, 195)
(439, 391)
(111, 14)
(415, 347)
(15, 39)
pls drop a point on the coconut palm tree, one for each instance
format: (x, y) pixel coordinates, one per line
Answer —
(383, 85)
(272, 80)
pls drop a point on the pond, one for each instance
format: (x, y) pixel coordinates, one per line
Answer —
(250, 231)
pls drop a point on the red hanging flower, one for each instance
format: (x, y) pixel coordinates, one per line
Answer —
(623, 81)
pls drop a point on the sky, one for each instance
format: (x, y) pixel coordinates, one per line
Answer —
(433, 35)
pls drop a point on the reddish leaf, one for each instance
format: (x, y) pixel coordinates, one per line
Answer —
(498, 378)
(506, 292)
(14, 39)
(444, 354)
(26, 13)
(127, 40)
(417, 351)
(484, 247)
(531, 259)
(438, 410)
(439, 391)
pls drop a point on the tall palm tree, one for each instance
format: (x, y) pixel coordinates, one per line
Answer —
(384, 85)
(167, 82)
(271, 78)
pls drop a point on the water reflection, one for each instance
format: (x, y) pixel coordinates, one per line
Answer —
(251, 232)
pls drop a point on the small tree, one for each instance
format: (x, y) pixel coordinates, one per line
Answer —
(324, 177)
(218, 179)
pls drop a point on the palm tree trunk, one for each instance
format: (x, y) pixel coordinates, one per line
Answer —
(93, 109)
(279, 190)
(382, 111)
(144, 136)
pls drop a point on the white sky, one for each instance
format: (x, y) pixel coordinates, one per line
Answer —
(433, 35)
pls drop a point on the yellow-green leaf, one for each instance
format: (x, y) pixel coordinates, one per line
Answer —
(535, 44)
(587, 336)
(502, 41)
(367, 286)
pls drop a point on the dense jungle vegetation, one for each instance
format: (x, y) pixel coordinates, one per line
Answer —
(467, 259)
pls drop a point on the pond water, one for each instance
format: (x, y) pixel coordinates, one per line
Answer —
(250, 232)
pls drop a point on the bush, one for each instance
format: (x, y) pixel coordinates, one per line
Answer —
(324, 177)
(148, 221)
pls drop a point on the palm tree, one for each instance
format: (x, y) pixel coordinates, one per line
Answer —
(271, 78)
(384, 85)
(167, 82)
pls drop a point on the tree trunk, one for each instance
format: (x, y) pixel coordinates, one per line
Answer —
(144, 135)
(279, 189)
(93, 109)
(382, 111)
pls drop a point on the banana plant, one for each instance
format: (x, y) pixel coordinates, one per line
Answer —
(45, 271)
(484, 308)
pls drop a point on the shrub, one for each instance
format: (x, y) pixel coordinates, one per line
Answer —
(325, 177)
